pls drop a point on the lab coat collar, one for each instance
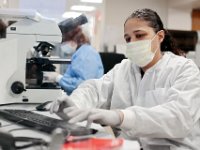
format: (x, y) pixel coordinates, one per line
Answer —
(162, 62)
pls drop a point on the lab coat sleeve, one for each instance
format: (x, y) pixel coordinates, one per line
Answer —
(94, 93)
(173, 119)
(85, 64)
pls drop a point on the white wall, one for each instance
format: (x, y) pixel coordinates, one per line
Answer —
(116, 12)
(175, 14)
(180, 12)
(179, 19)
(13, 3)
(3, 4)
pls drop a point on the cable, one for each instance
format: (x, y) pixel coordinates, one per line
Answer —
(25, 141)
(19, 104)
(34, 142)
(19, 129)
(31, 145)
(28, 145)
(10, 124)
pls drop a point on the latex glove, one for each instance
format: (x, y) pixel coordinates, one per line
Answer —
(51, 76)
(58, 105)
(101, 116)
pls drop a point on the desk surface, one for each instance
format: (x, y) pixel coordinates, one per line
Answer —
(18, 130)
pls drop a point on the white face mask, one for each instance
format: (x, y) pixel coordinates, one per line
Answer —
(140, 52)
(68, 47)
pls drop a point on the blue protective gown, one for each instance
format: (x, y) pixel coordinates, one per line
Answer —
(85, 64)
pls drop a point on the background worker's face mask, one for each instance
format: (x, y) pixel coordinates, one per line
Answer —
(140, 52)
(68, 47)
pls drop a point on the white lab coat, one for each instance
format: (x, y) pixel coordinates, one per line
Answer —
(162, 108)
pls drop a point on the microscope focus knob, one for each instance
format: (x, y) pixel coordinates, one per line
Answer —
(17, 87)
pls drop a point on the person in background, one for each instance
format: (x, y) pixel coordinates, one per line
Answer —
(85, 61)
(152, 96)
(3, 27)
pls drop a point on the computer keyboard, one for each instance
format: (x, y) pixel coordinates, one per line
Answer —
(43, 123)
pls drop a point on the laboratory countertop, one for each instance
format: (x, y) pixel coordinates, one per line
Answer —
(19, 130)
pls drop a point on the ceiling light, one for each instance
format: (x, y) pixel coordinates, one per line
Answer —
(71, 14)
(5, 2)
(92, 1)
(82, 8)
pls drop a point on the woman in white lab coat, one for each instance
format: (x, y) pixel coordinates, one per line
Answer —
(152, 96)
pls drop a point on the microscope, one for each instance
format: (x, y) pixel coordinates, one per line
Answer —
(21, 75)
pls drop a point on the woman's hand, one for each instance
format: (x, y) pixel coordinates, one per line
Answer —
(61, 103)
(101, 116)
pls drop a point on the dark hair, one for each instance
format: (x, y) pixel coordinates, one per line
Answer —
(155, 22)
(2, 29)
(76, 35)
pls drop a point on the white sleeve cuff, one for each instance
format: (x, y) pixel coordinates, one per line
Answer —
(129, 120)
(58, 78)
